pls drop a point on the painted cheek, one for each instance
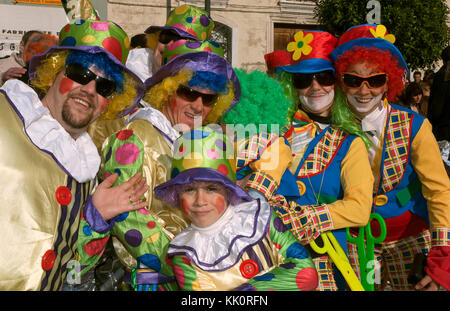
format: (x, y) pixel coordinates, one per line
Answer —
(103, 103)
(65, 85)
(185, 206)
(220, 204)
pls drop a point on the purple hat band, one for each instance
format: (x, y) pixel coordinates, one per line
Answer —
(91, 49)
(180, 32)
(198, 61)
(167, 190)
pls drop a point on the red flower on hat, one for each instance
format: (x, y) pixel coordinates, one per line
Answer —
(300, 45)
(380, 32)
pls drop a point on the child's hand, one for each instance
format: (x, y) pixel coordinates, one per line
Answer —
(112, 201)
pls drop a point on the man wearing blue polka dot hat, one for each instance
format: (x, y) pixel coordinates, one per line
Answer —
(49, 161)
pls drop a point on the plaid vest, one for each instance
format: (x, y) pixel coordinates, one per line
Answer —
(318, 175)
(399, 189)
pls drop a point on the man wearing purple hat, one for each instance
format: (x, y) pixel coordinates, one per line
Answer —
(49, 161)
(193, 87)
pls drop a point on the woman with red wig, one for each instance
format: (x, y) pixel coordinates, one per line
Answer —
(411, 190)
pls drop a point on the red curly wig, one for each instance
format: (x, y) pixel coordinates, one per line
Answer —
(375, 59)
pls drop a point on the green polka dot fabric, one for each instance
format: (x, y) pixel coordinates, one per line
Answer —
(187, 46)
(204, 147)
(105, 34)
(192, 20)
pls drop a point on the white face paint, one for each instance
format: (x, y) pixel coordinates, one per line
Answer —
(317, 102)
(364, 104)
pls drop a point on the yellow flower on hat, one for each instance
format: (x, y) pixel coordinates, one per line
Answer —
(300, 45)
(380, 32)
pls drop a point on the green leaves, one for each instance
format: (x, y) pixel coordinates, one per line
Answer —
(419, 26)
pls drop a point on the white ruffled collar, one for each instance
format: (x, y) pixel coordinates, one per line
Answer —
(219, 246)
(78, 158)
(159, 121)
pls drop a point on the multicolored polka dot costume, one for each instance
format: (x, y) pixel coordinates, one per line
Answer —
(140, 237)
(189, 22)
(248, 247)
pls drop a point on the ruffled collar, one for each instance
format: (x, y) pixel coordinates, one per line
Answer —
(220, 246)
(159, 121)
(78, 158)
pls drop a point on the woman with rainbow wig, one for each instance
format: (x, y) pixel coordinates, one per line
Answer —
(411, 190)
(195, 86)
(327, 186)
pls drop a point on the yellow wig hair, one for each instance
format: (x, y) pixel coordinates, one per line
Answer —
(54, 63)
(159, 94)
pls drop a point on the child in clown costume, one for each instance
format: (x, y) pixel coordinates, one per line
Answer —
(411, 190)
(327, 186)
(192, 75)
(233, 242)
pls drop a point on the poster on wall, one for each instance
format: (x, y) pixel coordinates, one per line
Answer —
(15, 20)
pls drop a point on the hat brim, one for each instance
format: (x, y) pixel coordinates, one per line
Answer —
(378, 43)
(198, 61)
(308, 66)
(91, 49)
(167, 190)
(181, 33)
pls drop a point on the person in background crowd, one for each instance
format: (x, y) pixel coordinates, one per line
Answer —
(439, 103)
(412, 98)
(50, 162)
(417, 77)
(13, 66)
(411, 190)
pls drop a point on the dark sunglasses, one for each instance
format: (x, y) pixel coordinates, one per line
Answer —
(166, 36)
(356, 81)
(304, 80)
(81, 75)
(191, 95)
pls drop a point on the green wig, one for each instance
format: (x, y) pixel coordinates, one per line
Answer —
(262, 104)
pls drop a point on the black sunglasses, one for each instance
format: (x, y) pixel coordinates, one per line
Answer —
(166, 36)
(191, 95)
(304, 80)
(82, 75)
(372, 81)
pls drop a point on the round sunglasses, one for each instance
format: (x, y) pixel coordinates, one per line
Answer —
(82, 75)
(372, 81)
(304, 80)
(191, 95)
